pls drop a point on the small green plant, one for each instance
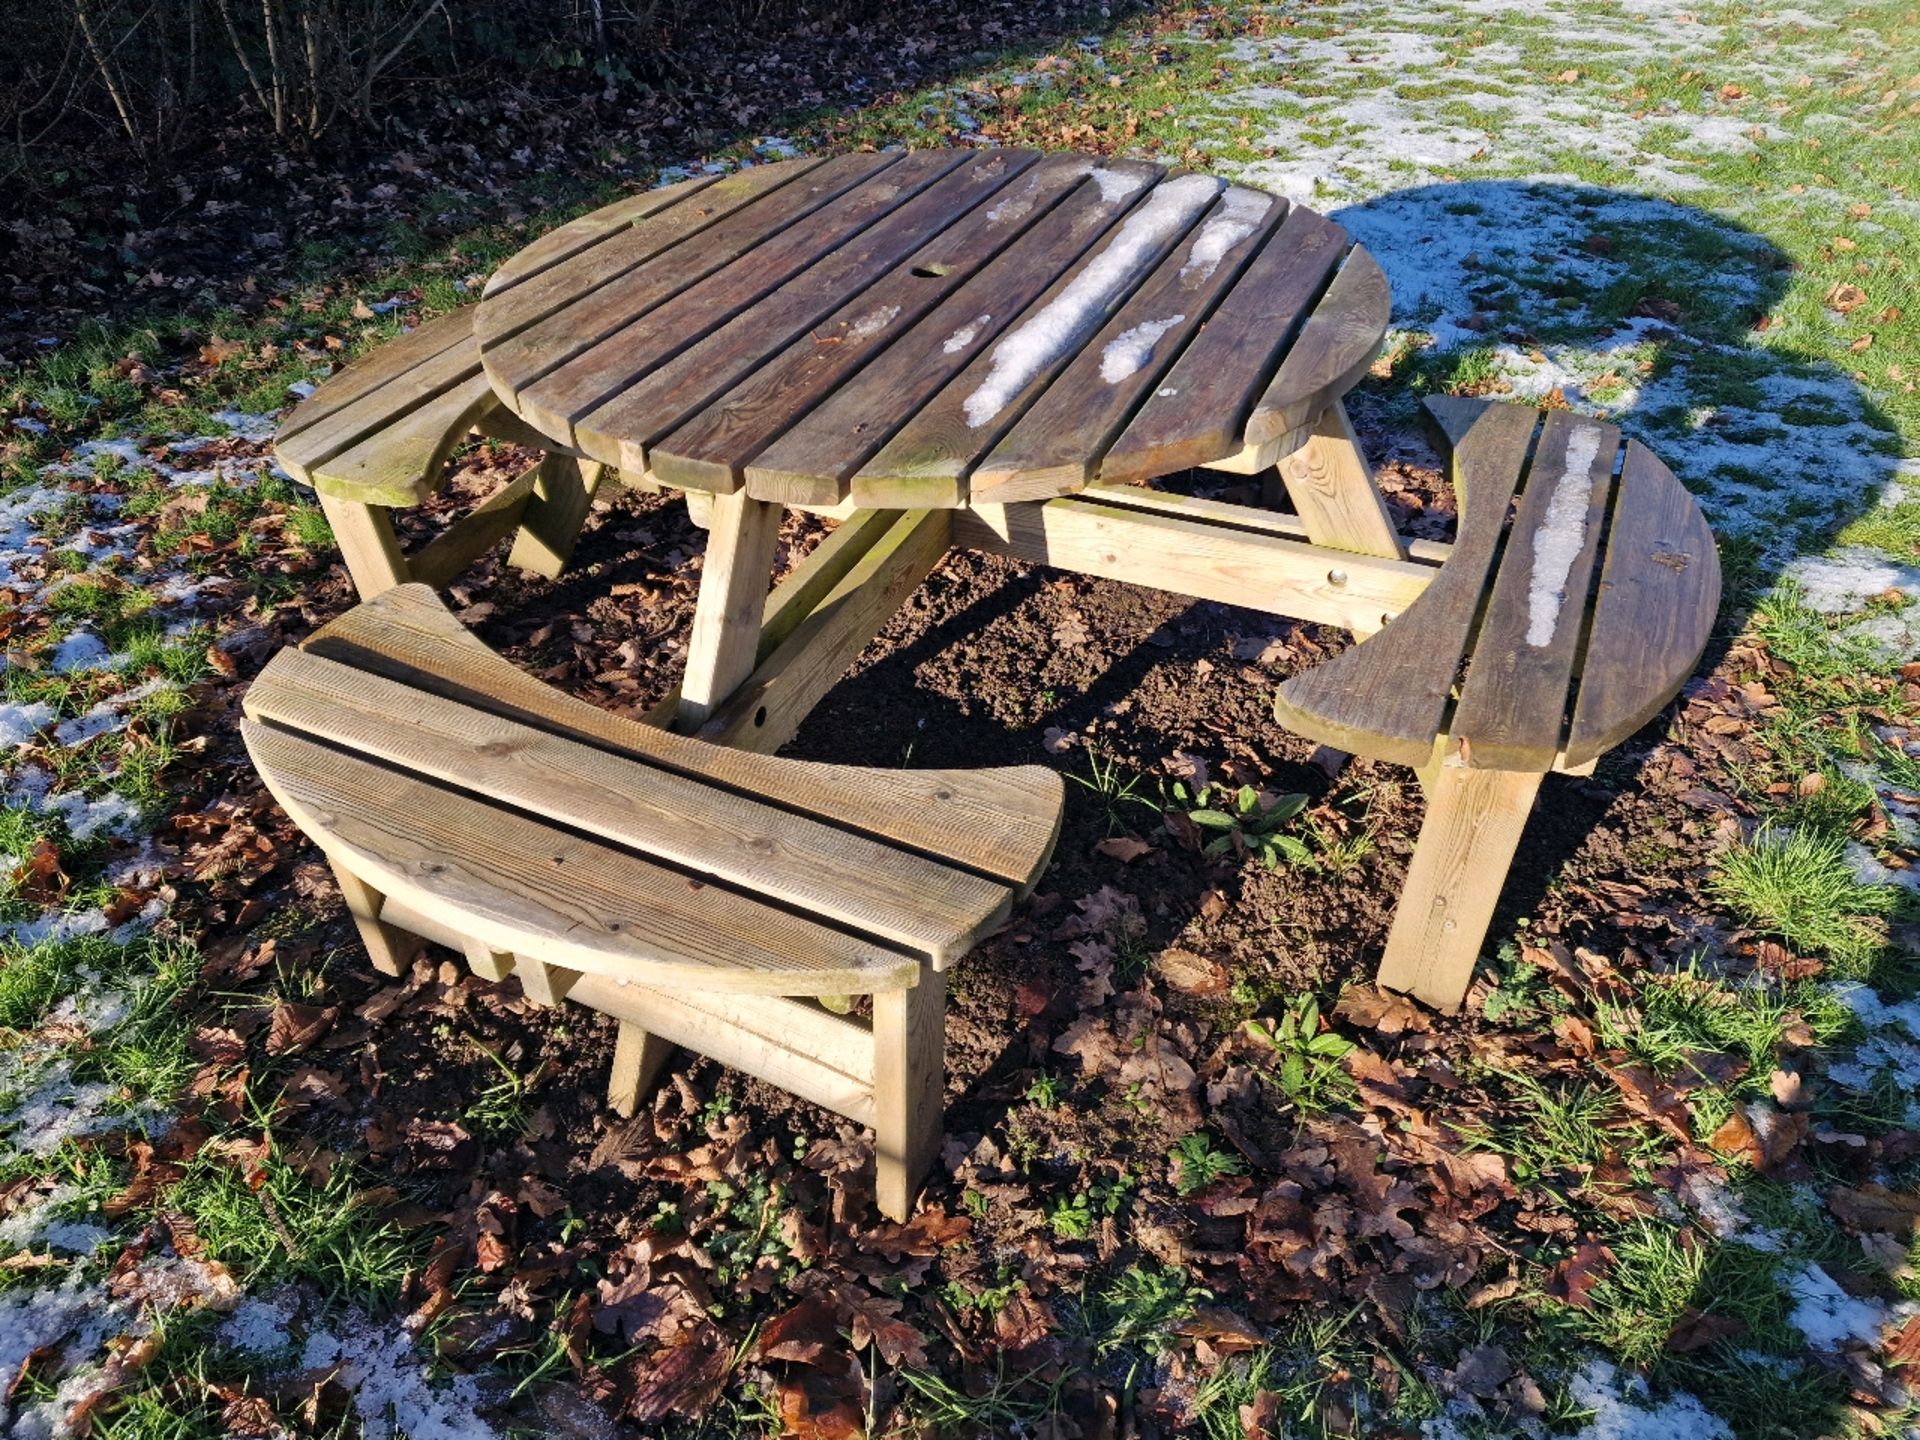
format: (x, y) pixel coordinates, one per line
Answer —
(1245, 827)
(1114, 791)
(1800, 887)
(1200, 1164)
(1308, 1069)
(1045, 1090)
(1073, 1217)
(501, 1109)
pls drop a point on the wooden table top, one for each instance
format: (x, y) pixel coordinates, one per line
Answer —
(931, 327)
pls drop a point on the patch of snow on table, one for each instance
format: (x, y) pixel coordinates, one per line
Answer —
(1129, 350)
(388, 1380)
(1116, 185)
(1561, 536)
(872, 323)
(963, 337)
(1827, 1315)
(1048, 335)
(1238, 216)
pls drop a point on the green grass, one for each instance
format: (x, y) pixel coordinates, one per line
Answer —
(1799, 887)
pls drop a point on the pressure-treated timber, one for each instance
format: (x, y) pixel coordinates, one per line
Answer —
(1333, 493)
(741, 534)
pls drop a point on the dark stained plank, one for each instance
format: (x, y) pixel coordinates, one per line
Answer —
(1386, 697)
(663, 316)
(1336, 345)
(1197, 414)
(563, 242)
(937, 449)
(1055, 447)
(1659, 594)
(719, 400)
(815, 460)
(373, 372)
(707, 214)
(1514, 702)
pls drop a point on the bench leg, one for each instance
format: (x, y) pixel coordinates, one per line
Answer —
(1333, 491)
(909, 1073)
(494, 965)
(550, 525)
(733, 592)
(638, 1055)
(1473, 824)
(390, 948)
(367, 544)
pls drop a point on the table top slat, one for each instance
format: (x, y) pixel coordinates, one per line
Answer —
(1197, 413)
(1057, 444)
(939, 447)
(1659, 596)
(1386, 697)
(1513, 705)
(694, 420)
(647, 324)
(816, 459)
(566, 241)
(638, 252)
(1336, 347)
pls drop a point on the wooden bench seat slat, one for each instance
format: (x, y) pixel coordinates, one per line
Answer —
(1000, 822)
(366, 380)
(308, 452)
(815, 460)
(1513, 705)
(1659, 596)
(1336, 347)
(1386, 698)
(937, 449)
(1222, 370)
(724, 395)
(663, 308)
(401, 464)
(513, 884)
(564, 242)
(1058, 443)
(713, 216)
(858, 882)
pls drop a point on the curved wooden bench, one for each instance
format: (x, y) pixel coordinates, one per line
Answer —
(685, 888)
(1540, 655)
(376, 437)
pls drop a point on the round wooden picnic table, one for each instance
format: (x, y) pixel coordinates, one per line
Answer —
(932, 328)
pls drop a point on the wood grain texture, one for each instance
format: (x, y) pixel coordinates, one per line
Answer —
(861, 883)
(388, 948)
(367, 544)
(1513, 704)
(1336, 346)
(568, 240)
(1386, 697)
(734, 578)
(1460, 861)
(1199, 557)
(1000, 822)
(718, 402)
(909, 1040)
(1056, 446)
(373, 372)
(1332, 490)
(584, 357)
(550, 526)
(1659, 596)
(639, 1055)
(516, 885)
(816, 459)
(1197, 414)
(475, 533)
(1246, 517)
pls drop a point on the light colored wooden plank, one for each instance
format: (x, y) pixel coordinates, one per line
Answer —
(382, 371)
(909, 1040)
(545, 985)
(388, 949)
(1467, 841)
(638, 1057)
(1659, 595)
(816, 868)
(822, 1058)
(769, 705)
(998, 821)
(486, 962)
(514, 885)
(734, 579)
(402, 462)
(550, 527)
(473, 534)
(367, 545)
(1245, 517)
(1200, 558)
(1332, 490)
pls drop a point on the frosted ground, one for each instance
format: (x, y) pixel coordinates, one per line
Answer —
(1519, 169)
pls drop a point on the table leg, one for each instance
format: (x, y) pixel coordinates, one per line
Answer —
(733, 594)
(1333, 491)
(367, 544)
(550, 525)
(1460, 862)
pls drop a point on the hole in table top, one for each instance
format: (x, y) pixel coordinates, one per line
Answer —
(760, 716)
(931, 272)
